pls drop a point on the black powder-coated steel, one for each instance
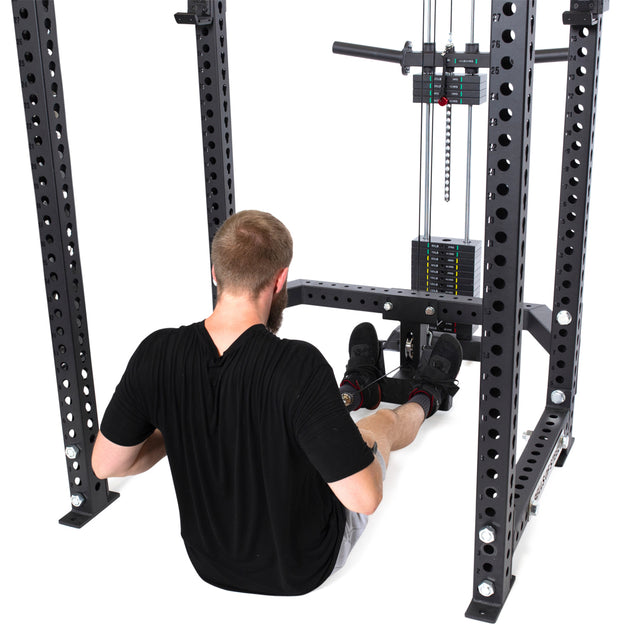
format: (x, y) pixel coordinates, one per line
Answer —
(509, 136)
(580, 112)
(215, 106)
(40, 74)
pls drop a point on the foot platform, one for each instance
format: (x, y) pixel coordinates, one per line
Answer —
(396, 388)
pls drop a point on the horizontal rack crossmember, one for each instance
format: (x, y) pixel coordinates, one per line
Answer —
(408, 305)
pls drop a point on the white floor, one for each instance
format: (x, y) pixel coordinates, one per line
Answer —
(336, 171)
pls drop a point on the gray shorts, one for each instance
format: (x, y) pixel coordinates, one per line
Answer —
(354, 526)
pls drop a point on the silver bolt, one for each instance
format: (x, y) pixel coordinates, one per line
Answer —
(566, 441)
(487, 534)
(557, 396)
(486, 588)
(430, 311)
(387, 306)
(72, 452)
(77, 499)
(347, 399)
(533, 508)
(527, 434)
(564, 318)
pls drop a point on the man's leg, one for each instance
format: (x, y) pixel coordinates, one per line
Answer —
(392, 429)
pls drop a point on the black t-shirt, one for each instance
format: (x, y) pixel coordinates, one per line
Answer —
(252, 437)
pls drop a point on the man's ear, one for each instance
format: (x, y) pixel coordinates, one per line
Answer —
(281, 279)
(213, 275)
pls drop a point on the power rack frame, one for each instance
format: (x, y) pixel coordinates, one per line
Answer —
(508, 490)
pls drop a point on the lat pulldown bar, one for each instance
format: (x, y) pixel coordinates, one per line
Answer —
(429, 58)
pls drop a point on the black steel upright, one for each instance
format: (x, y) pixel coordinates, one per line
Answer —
(508, 493)
(577, 156)
(209, 18)
(41, 78)
(510, 98)
(552, 438)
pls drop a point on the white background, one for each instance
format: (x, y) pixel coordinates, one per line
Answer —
(330, 145)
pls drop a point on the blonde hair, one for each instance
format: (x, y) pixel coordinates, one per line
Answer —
(248, 251)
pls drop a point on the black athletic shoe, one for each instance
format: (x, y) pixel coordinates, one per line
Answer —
(363, 368)
(437, 371)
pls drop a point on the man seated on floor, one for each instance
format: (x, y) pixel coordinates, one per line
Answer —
(274, 480)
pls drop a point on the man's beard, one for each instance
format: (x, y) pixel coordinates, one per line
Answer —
(278, 306)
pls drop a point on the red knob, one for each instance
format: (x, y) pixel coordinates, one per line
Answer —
(444, 101)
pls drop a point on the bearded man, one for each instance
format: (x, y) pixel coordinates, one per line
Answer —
(274, 480)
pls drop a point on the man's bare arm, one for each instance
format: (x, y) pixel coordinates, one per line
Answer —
(362, 491)
(110, 460)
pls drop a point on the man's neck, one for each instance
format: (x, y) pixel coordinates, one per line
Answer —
(233, 315)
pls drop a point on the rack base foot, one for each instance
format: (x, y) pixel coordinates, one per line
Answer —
(78, 519)
(486, 611)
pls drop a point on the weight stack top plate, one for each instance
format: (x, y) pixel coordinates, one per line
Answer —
(446, 265)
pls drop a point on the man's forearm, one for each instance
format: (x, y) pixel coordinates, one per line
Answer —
(152, 451)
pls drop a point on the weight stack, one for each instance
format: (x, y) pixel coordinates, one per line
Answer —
(470, 89)
(447, 265)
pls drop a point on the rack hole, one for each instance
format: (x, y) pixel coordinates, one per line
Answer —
(507, 88)
(507, 63)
